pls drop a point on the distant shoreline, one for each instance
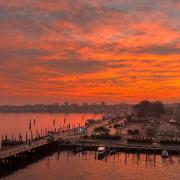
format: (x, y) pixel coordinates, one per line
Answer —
(66, 108)
(48, 113)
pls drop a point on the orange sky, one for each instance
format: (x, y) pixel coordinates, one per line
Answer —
(89, 50)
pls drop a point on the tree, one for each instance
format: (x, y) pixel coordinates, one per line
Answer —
(177, 114)
(146, 108)
(101, 130)
(66, 103)
(142, 109)
(158, 109)
(103, 103)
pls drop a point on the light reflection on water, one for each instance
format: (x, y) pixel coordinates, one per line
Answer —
(67, 166)
(13, 124)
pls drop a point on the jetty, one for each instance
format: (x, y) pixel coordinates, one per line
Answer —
(127, 148)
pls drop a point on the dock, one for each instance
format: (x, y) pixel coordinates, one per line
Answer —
(127, 148)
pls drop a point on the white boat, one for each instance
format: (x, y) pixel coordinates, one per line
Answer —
(165, 154)
(101, 151)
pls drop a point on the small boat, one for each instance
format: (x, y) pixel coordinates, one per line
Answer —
(101, 152)
(113, 151)
(165, 154)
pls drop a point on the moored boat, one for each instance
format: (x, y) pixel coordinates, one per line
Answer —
(101, 152)
(165, 154)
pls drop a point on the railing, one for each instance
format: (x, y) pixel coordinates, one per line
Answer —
(12, 151)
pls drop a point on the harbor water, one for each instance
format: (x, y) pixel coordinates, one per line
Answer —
(13, 124)
(65, 165)
(68, 166)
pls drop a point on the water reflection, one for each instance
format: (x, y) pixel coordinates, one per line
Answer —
(85, 165)
(29, 125)
(66, 165)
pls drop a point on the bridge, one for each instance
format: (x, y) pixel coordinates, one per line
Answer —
(73, 134)
(13, 151)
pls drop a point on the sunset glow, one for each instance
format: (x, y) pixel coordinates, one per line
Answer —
(89, 51)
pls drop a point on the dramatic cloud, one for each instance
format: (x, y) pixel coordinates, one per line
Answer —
(93, 50)
(160, 50)
(76, 66)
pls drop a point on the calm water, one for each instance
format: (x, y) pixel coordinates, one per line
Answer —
(66, 166)
(13, 124)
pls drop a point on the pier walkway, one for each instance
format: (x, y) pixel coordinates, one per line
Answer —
(123, 147)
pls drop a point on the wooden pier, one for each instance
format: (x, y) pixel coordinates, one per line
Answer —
(129, 148)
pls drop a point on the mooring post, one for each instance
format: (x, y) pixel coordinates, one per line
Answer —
(26, 137)
(125, 158)
(31, 136)
(68, 150)
(137, 162)
(20, 137)
(170, 159)
(30, 125)
(36, 133)
(146, 159)
(2, 137)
